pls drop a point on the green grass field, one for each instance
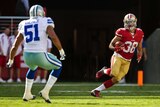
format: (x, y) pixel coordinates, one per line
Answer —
(77, 94)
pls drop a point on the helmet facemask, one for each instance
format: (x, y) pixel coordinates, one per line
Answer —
(36, 10)
(130, 22)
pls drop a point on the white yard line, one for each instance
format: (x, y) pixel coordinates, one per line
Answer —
(109, 91)
(78, 84)
(65, 84)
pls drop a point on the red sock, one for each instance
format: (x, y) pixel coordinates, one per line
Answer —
(107, 71)
(108, 83)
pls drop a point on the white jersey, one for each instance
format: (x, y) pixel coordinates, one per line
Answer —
(49, 44)
(4, 44)
(34, 32)
(11, 41)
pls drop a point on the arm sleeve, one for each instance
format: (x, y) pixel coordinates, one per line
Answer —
(20, 28)
(119, 32)
(50, 22)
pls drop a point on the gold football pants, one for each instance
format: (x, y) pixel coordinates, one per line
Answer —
(119, 67)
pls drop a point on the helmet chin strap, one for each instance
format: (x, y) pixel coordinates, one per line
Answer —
(131, 29)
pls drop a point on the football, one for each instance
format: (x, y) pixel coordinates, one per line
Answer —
(119, 44)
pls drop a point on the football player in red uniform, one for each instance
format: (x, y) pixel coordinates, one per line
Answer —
(129, 39)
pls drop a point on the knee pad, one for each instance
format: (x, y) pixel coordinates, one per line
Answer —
(56, 72)
(30, 74)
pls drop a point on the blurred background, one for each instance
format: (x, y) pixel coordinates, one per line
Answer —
(86, 27)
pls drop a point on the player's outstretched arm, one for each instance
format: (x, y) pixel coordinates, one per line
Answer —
(17, 42)
(139, 51)
(54, 37)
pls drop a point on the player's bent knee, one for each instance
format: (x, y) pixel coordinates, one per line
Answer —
(115, 79)
(114, 74)
(56, 72)
(30, 74)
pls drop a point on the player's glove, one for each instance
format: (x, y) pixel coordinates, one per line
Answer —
(139, 57)
(9, 63)
(62, 54)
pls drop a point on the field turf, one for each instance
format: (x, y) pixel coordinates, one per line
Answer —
(77, 94)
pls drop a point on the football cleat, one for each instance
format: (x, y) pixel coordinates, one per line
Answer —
(2, 81)
(37, 80)
(28, 97)
(19, 80)
(45, 96)
(95, 93)
(10, 80)
(43, 81)
(100, 73)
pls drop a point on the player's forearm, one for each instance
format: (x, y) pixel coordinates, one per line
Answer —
(57, 43)
(111, 46)
(139, 52)
(140, 49)
(12, 53)
(15, 46)
(54, 37)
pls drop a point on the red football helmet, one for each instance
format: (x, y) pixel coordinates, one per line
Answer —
(130, 21)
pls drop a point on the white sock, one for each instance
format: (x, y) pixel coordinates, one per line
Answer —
(28, 85)
(100, 88)
(51, 81)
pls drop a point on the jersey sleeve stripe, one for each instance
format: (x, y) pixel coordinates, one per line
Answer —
(49, 22)
(118, 35)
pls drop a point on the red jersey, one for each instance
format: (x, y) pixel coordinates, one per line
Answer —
(130, 40)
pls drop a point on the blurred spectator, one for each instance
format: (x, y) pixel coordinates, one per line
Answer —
(40, 70)
(22, 8)
(16, 64)
(4, 45)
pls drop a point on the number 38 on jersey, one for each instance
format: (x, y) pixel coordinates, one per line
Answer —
(130, 47)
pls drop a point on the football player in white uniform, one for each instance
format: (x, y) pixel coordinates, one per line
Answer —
(35, 32)
(40, 70)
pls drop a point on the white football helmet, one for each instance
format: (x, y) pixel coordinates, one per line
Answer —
(36, 10)
(130, 21)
